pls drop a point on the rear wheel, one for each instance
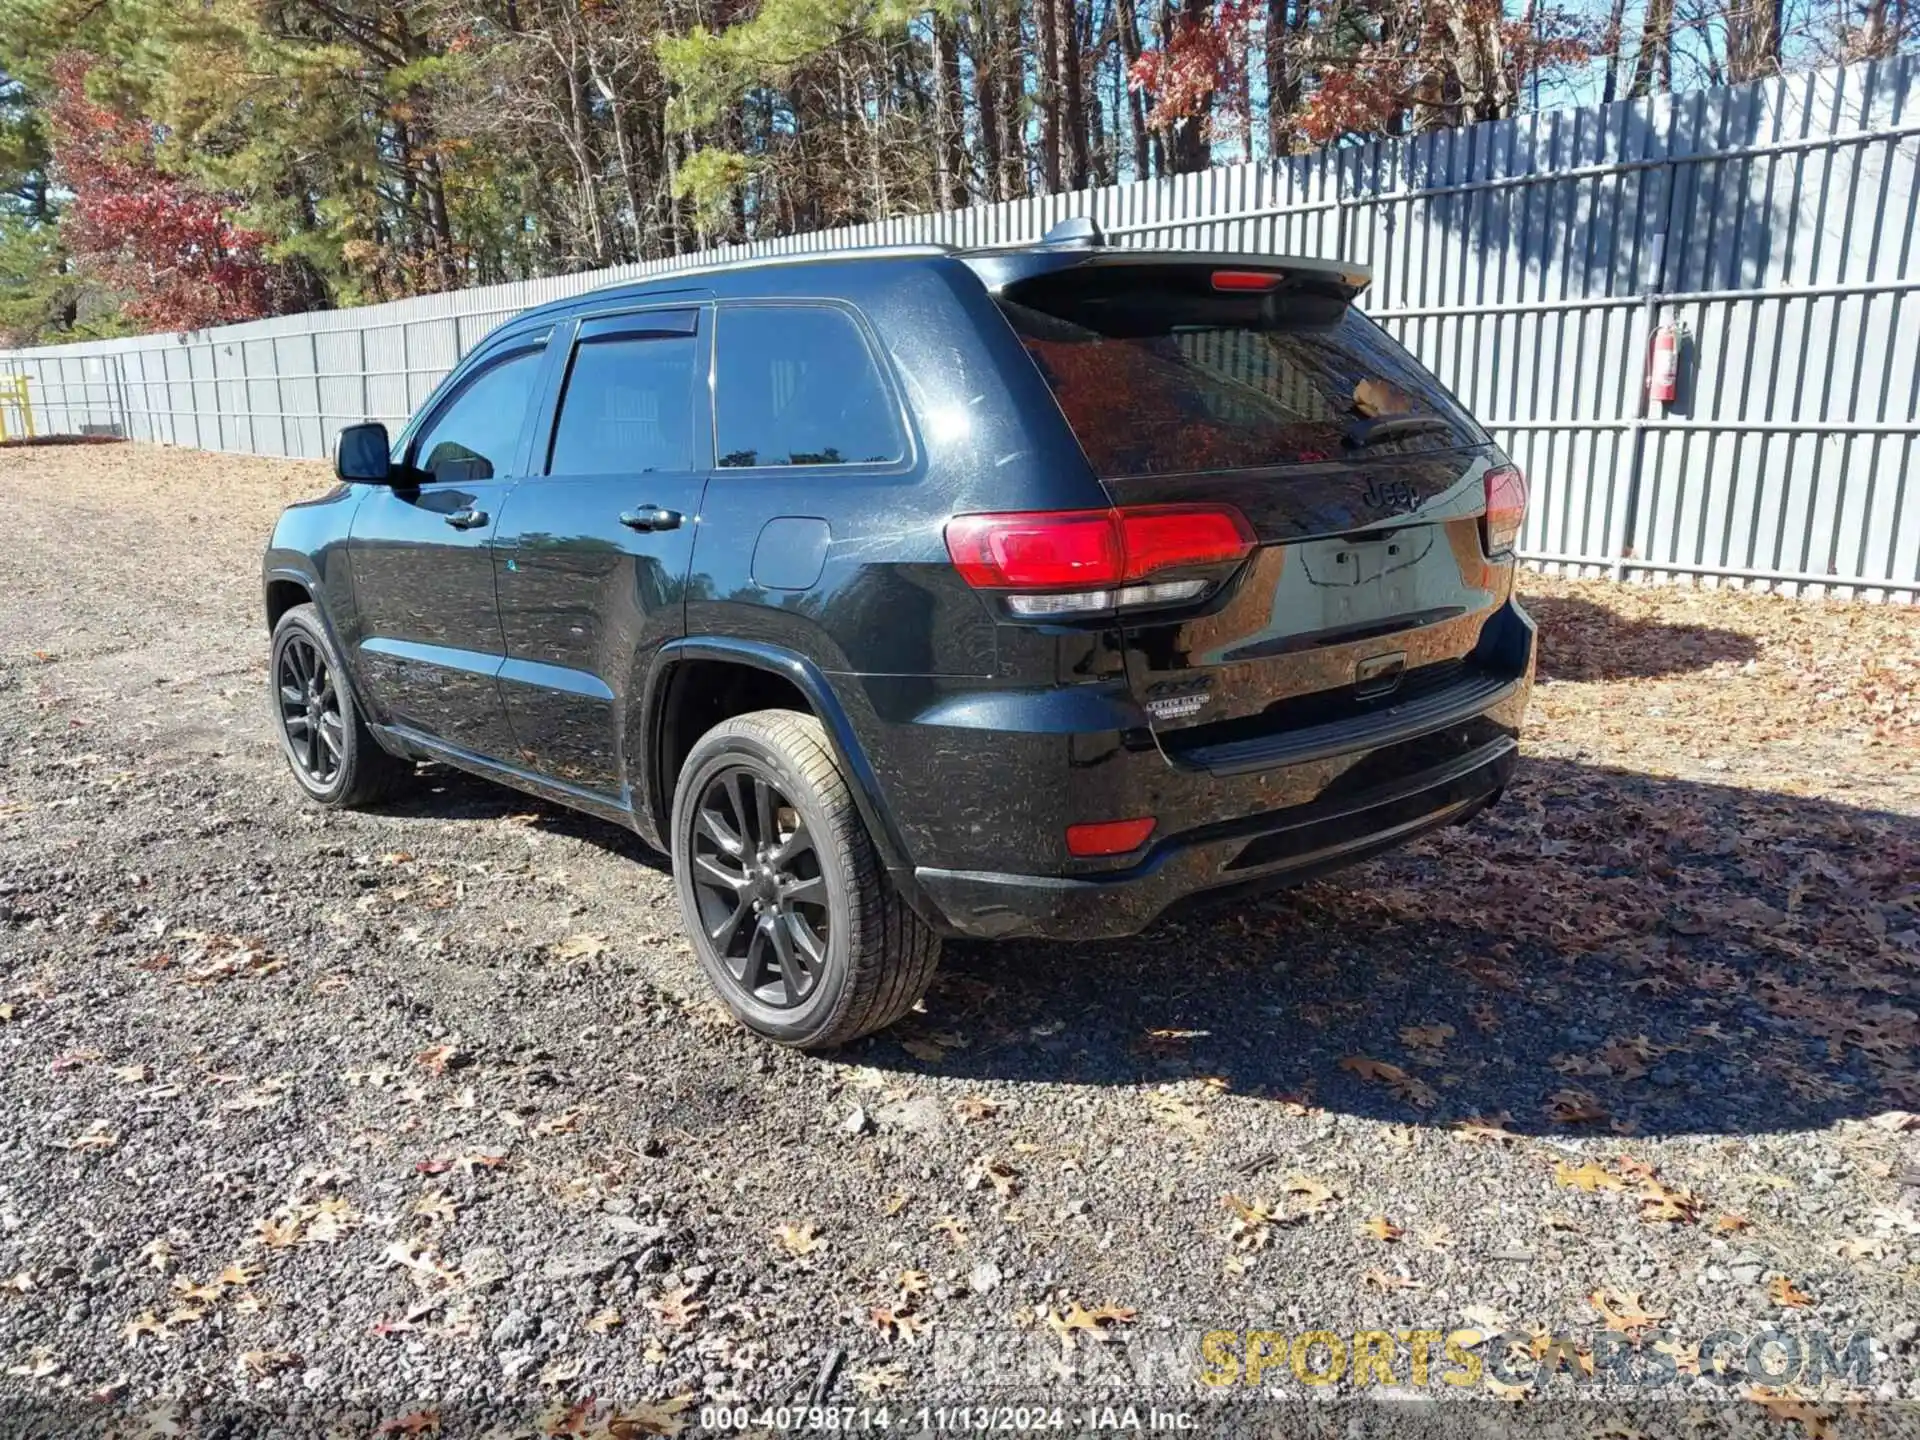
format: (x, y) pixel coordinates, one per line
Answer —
(328, 747)
(789, 912)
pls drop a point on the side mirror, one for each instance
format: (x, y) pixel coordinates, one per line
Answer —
(363, 453)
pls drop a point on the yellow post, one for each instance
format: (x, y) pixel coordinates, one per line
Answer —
(13, 394)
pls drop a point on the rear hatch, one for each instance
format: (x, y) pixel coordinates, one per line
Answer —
(1253, 384)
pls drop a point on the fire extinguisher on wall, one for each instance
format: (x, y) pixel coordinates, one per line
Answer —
(1663, 366)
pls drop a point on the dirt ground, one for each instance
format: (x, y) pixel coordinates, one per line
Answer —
(317, 1122)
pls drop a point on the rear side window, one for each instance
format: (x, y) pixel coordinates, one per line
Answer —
(1158, 374)
(627, 408)
(797, 385)
(473, 436)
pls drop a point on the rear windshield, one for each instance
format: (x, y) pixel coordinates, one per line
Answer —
(1157, 375)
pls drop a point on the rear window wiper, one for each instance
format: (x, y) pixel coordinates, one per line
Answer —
(1364, 432)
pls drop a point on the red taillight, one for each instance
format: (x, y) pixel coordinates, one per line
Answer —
(1246, 280)
(1506, 508)
(1087, 549)
(1042, 550)
(1108, 837)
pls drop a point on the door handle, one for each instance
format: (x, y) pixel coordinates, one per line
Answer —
(651, 517)
(468, 519)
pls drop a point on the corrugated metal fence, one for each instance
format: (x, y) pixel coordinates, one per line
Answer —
(1527, 261)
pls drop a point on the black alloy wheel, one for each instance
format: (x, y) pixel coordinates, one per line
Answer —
(759, 888)
(310, 713)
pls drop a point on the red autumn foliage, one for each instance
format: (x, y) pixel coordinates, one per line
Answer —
(162, 238)
(1461, 59)
(1202, 59)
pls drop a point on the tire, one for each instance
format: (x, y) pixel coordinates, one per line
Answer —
(875, 958)
(310, 703)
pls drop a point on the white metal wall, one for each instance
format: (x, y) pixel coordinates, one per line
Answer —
(1527, 261)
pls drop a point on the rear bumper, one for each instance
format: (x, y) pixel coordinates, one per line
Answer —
(1256, 851)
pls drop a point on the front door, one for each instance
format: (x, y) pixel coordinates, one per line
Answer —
(421, 551)
(592, 559)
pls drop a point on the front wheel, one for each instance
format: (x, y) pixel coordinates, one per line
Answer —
(790, 914)
(328, 746)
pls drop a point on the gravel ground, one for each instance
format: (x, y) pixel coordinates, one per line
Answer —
(319, 1121)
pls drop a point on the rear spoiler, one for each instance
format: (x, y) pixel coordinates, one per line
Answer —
(999, 269)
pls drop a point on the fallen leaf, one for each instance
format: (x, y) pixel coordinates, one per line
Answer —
(1781, 1291)
(580, 947)
(420, 1422)
(262, 1363)
(1252, 1220)
(1588, 1177)
(1815, 1421)
(1426, 1037)
(1094, 1324)
(436, 1058)
(677, 1309)
(1732, 1224)
(872, 1384)
(898, 1322)
(1382, 1229)
(146, 1323)
(605, 1322)
(1574, 1107)
(197, 1294)
(1385, 1280)
(913, 1282)
(1485, 1128)
(1410, 1088)
(1176, 1112)
(653, 1418)
(437, 1206)
(801, 1239)
(95, 1137)
(1622, 1310)
(1314, 1195)
(976, 1107)
(989, 1171)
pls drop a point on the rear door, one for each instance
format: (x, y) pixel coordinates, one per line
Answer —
(1363, 482)
(592, 557)
(421, 552)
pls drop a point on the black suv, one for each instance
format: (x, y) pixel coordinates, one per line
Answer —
(918, 592)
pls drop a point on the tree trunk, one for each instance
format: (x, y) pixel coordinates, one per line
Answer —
(1129, 28)
(1653, 66)
(1753, 39)
(986, 84)
(1009, 71)
(1614, 40)
(1073, 87)
(949, 118)
(1046, 91)
(1190, 149)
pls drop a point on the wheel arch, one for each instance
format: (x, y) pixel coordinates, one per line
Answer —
(289, 585)
(806, 681)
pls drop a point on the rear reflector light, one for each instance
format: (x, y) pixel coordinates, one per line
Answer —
(1506, 508)
(1086, 602)
(1093, 550)
(1246, 280)
(1108, 837)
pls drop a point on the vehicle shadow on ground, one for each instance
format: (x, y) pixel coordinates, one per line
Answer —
(1580, 640)
(442, 793)
(1604, 952)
